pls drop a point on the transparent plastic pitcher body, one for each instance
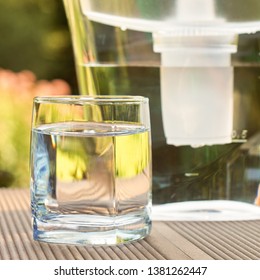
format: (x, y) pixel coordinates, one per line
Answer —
(198, 62)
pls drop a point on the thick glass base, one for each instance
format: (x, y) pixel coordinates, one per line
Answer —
(93, 230)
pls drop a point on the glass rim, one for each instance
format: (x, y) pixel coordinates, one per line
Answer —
(91, 99)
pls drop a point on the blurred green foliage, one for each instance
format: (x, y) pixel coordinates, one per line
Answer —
(35, 36)
(36, 58)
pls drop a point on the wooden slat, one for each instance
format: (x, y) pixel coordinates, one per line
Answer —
(168, 249)
(194, 252)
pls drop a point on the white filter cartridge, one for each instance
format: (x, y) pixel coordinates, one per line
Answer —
(197, 105)
(196, 88)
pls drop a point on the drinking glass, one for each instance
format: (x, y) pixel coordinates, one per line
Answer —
(91, 169)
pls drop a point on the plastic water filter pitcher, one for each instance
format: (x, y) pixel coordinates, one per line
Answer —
(198, 62)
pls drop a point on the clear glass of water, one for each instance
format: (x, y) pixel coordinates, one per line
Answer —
(91, 169)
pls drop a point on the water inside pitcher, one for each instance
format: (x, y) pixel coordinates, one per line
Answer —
(124, 47)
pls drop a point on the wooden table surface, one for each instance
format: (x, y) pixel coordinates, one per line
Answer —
(178, 240)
